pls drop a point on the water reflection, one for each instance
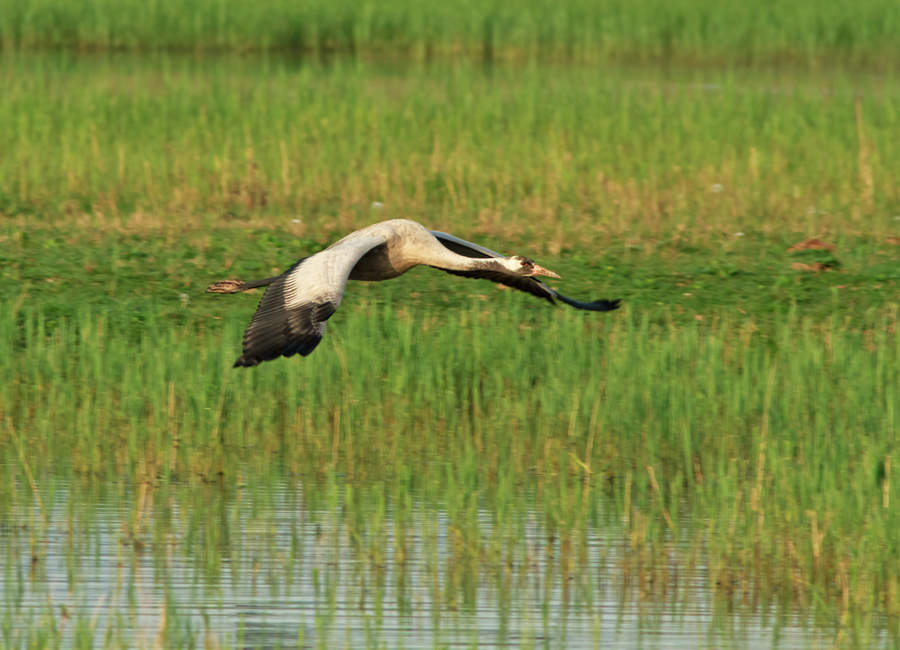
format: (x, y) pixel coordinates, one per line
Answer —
(278, 567)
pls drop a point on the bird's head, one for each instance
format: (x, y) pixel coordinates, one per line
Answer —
(525, 267)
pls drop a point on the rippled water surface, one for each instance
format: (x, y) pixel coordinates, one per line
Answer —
(279, 567)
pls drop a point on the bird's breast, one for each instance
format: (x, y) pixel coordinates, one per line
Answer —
(377, 265)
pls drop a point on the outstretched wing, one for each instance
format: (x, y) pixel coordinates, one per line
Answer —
(463, 247)
(292, 314)
(527, 284)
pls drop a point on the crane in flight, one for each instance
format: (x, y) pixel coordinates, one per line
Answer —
(295, 308)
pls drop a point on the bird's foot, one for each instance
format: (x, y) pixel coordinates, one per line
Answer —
(226, 286)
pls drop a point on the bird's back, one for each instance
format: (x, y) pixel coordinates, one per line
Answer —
(406, 244)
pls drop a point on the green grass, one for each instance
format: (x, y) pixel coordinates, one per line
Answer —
(862, 33)
(537, 155)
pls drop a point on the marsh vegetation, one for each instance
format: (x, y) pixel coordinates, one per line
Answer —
(455, 463)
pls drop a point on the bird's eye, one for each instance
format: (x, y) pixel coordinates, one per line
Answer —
(525, 262)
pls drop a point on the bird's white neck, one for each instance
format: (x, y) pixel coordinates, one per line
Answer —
(450, 261)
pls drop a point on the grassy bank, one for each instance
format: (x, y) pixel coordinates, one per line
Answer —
(147, 274)
(649, 30)
(528, 154)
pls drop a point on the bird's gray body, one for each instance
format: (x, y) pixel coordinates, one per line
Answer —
(403, 245)
(292, 315)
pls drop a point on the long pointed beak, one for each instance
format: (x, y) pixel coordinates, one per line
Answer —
(540, 270)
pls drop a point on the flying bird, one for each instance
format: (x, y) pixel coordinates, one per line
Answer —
(293, 312)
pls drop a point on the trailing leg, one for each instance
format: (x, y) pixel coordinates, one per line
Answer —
(236, 286)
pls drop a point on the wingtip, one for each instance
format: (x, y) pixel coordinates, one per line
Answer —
(607, 305)
(597, 305)
(257, 356)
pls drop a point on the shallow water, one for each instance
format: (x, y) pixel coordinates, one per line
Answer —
(265, 568)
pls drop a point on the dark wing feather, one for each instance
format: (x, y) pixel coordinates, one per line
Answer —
(597, 305)
(463, 247)
(292, 314)
(527, 284)
(468, 249)
(276, 331)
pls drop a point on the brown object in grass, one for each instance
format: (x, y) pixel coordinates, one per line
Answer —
(818, 267)
(812, 244)
(893, 240)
